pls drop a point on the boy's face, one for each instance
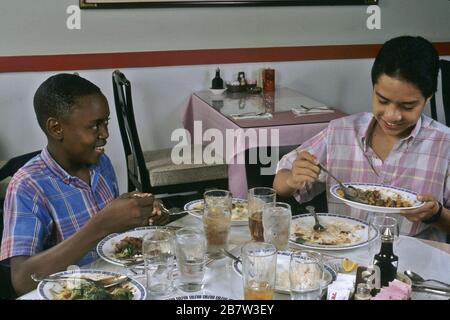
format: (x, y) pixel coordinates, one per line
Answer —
(85, 130)
(397, 106)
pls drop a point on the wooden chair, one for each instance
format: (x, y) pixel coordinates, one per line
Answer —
(153, 171)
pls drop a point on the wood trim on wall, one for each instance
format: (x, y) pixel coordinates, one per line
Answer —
(86, 61)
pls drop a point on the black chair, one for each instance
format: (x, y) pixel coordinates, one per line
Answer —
(7, 171)
(445, 77)
(153, 171)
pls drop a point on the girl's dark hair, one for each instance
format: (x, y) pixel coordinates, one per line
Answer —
(57, 95)
(408, 58)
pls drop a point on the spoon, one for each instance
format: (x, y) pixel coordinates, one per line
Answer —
(416, 278)
(317, 226)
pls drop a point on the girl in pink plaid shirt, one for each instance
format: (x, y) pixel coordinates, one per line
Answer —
(395, 145)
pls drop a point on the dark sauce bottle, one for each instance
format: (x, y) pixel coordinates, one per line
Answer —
(217, 82)
(386, 260)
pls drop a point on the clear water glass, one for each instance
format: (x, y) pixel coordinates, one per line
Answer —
(159, 258)
(190, 246)
(277, 218)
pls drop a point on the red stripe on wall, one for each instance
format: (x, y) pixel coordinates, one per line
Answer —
(190, 57)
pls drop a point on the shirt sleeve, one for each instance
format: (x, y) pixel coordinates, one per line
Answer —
(26, 229)
(317, 146)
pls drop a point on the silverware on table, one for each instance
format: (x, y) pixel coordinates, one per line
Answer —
(431, 289)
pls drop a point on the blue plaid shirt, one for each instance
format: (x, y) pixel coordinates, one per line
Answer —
(45, 205)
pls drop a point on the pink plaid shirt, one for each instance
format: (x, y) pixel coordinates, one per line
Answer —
(419, 162)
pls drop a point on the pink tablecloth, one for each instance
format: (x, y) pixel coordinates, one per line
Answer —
(246, 138)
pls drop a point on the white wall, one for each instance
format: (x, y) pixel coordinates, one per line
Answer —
(29, 27)
(39, 26)
(160, 94)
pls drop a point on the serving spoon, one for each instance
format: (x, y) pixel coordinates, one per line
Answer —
(416, 278)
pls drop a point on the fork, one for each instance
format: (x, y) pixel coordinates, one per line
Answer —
(350, 192)
(314, 108)
(256, 114)
(103, 282)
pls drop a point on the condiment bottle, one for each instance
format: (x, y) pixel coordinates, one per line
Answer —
(386, 260)
(217, 82)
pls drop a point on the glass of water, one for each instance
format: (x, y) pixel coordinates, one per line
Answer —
(159, 258)
(306, 275)
(190, 246)
(277, 218)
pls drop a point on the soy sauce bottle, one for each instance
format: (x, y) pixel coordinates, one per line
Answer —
(386, 260)
(217, 82)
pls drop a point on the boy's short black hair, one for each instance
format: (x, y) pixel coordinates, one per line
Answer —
(57, 95)
(413, 59)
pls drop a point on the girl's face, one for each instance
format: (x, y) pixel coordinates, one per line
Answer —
(397, 106)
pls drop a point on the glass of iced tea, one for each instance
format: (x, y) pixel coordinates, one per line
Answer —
(257, 197)
(259, 264)
(216, 221)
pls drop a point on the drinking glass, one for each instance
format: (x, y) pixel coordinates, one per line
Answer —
(257, 197)
(377, 226)
(159, 258)
(259, 264)
(306, 274)
(277, 218)
(216, 221)
(190, 246)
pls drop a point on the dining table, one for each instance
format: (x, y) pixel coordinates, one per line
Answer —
(428, 258)
(284, 117)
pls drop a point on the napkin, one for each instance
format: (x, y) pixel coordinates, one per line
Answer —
(303, 110)
(265, 115)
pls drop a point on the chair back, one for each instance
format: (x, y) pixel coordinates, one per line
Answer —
(445, 77)
(137, 173)
(14, 164)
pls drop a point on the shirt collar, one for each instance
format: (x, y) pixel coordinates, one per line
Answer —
(57, 170)
(366, 131)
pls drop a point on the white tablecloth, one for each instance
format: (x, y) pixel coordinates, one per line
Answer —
(222, 280)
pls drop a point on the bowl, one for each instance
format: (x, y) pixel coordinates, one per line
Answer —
(217, 91)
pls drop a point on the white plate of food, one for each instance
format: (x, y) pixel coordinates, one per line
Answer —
(124, 249)
(381, 198)
(282, 283)
(341, 232)
(239, 213)
(76, 287)
(200, 297)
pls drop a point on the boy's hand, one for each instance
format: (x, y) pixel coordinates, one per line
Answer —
(160, 217)
(128, 211)
(304, 169)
